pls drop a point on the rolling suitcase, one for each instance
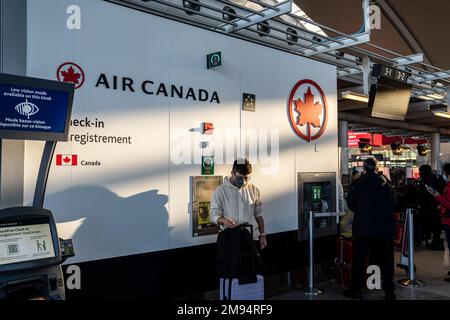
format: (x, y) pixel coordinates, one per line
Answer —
(344, 260)
(239, 276)
(230, 289)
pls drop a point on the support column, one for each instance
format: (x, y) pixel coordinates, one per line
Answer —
(435, 152)
(366, 75)
(13, 53)
(343, 145)
(448, 98)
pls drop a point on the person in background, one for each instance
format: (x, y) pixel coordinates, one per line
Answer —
(355, 174)
(372, 200)
(429, 208)
(441, 182)
(346, 223)
(341, 198)
(444, 200)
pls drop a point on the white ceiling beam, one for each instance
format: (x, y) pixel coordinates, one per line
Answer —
(429, 77)
(411, 59)
(333, 46)
(269, 13)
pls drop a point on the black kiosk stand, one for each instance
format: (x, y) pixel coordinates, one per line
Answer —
(31, 253)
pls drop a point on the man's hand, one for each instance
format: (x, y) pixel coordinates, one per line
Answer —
(226, 222)
(262, 242)
(433, 192)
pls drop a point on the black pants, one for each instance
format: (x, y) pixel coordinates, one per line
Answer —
(447, 234)
(431, 222)
(381, 253)
(436, 227)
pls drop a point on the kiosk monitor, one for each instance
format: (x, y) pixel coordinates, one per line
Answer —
(316, 193)
(34, 109)
(28, 239)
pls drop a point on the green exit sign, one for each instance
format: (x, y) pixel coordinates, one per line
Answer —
(214, 59)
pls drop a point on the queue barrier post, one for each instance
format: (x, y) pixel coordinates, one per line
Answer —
(311, 290)
(411, 281)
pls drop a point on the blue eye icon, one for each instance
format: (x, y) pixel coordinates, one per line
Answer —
(27, 109)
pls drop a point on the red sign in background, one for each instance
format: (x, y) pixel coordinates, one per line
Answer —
(379, 139)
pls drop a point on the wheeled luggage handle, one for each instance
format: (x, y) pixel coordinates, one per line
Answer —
(246, 225)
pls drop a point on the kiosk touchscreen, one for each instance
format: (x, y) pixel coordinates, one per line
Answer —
(31, 254)
(34, 109)
(316, 193)
(26, 242)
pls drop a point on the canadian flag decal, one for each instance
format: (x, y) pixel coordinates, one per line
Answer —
(66, 159)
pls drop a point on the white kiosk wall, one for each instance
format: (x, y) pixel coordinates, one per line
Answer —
(133, 197)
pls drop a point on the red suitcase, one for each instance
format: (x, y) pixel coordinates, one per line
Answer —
(344, 260)
(399, 229)
(344, 249)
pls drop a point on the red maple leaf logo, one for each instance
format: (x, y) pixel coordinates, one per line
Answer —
(309, 112)
(66, 159)
(71, 76)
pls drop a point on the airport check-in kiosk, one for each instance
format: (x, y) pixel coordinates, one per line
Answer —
(31, 252)
(316, 193)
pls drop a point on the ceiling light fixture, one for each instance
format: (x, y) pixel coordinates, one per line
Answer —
(192, 5)
(230, 15)
(355, 96)
(442, 114)
(423, 150)
(263, 28)
(426, 98)
(291, 35)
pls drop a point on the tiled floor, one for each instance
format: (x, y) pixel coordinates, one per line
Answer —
(432, 267)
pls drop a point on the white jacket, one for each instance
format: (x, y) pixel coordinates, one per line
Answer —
(242, 205)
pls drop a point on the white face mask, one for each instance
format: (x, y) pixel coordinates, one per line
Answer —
(445, 178)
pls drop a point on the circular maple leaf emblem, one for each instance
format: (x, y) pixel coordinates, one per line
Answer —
(70, 72)
(308, 110)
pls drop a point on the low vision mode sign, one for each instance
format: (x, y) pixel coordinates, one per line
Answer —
(34, 109)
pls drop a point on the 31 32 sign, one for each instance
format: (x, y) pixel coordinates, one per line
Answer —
(383, 71)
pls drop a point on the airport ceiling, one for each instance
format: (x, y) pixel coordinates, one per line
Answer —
(407, 27)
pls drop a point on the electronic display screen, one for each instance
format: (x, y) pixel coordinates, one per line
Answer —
(390, 99)
(32, 109)
(35, 109)
(21, 243)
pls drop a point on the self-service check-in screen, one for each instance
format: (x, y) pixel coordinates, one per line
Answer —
(20, 243)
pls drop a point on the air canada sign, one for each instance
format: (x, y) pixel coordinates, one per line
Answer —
(156, 88)
(73, 73)
(307, 110)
